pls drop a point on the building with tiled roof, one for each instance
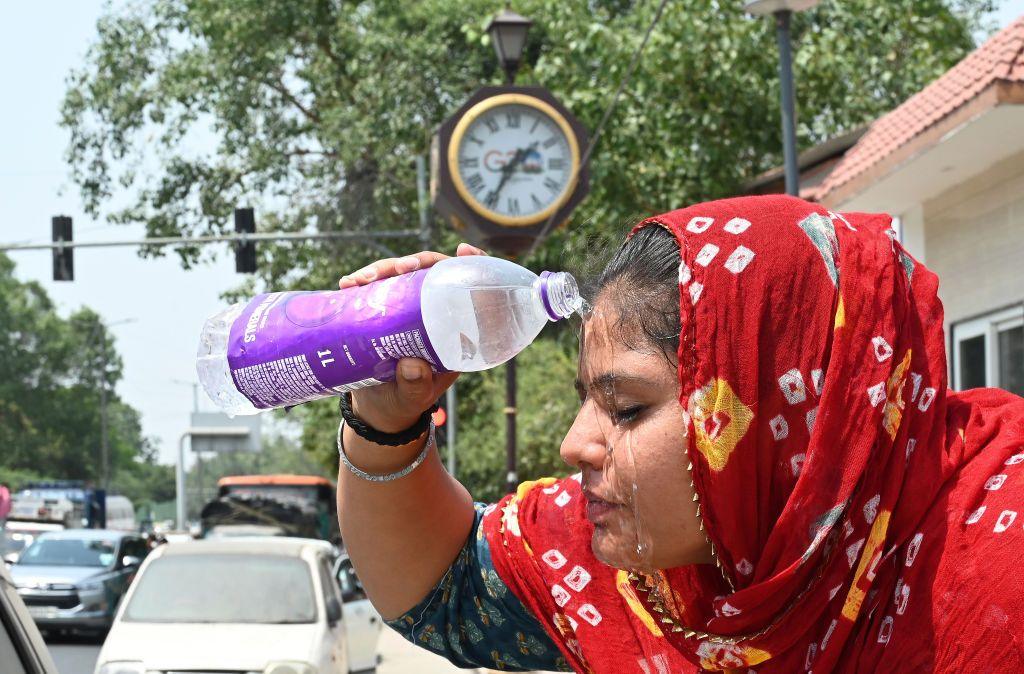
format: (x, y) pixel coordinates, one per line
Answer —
(949, 164)
(990, 77)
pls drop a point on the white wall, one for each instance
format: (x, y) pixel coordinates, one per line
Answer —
(911, 230)
(974, 237)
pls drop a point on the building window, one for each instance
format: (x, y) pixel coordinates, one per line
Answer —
(989, 351)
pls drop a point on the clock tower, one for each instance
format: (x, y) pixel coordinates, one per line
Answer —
(507, 163)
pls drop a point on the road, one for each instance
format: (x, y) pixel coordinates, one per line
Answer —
(77, 655)
(74, 654)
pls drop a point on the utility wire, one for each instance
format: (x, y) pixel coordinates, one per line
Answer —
(604, 120)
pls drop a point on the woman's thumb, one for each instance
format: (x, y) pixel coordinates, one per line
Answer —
(415, 381)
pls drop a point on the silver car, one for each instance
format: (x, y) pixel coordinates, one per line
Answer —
(22, 650)
(75, 579)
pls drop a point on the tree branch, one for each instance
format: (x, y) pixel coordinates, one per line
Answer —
(280, 88)
(302, 152)
(325, 46)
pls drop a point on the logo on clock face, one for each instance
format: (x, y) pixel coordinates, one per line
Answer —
(496, 160)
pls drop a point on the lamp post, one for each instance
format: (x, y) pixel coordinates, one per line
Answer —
(783, 10)
(104, 450)
(508, 33)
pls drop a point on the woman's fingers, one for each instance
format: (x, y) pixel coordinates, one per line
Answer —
(468, 249)
(394, 266)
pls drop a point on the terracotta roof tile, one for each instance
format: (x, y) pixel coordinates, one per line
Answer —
(1001, 58)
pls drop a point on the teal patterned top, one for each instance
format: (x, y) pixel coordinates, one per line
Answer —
(472, 619)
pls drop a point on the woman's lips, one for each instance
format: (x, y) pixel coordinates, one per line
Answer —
(598, 509)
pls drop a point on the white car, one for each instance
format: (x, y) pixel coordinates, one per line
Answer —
(260, 605)
(19, 535)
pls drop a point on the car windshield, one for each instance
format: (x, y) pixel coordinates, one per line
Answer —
(14, 542)
(224, 589)
(69, 552)
(302, 497)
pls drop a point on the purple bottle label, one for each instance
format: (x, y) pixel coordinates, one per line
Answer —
(291, 347)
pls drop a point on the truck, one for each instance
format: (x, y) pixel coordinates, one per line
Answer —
(73, 505)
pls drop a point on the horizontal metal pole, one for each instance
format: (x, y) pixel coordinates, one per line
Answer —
(218, 432)
(189, 241)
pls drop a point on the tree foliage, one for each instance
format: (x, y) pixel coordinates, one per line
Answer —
(51, 371)
(313, 112)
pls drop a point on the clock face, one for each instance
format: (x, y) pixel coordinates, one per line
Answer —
(515, 162)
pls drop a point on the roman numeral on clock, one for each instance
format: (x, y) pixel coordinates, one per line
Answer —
(551, 142)
(537, 202)
(492, 124)
(556, 164)
(469, 162)
(513, 206)
(552, 185)
(512, 120)
(475, 182)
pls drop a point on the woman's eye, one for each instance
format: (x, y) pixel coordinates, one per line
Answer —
(627, 415)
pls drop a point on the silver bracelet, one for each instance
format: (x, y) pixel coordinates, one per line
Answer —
(358, 472)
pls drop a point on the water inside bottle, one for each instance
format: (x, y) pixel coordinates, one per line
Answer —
(504, 320)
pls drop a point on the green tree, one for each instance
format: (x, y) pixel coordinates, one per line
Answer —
(51, 371)
(316, 110)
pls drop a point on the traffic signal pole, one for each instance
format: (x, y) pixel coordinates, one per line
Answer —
(217, 238)
(244, 241)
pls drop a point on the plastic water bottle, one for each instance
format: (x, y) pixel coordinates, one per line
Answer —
(463, 314)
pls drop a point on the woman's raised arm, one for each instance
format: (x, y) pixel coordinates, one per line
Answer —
(401, 535)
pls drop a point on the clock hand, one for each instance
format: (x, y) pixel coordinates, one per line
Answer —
(508, 169)
(506, 173)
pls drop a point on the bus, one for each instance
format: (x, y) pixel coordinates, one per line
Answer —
(301, 505)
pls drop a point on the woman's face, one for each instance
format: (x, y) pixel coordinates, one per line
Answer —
(629, 440)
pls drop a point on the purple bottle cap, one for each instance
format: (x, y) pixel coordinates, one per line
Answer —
(545, 276)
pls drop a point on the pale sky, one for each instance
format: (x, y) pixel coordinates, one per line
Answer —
(40, 42)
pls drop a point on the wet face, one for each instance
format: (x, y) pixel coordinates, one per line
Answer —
(629, 440)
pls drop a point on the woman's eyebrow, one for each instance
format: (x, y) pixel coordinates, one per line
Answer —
(611, 380)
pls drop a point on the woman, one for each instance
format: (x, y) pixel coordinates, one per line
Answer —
(773, 475)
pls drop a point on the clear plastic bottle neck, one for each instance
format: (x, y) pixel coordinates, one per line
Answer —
(559, 293)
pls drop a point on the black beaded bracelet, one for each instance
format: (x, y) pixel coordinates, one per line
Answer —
(367, 432)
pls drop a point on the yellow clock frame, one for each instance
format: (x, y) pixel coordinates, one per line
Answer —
(456, 142)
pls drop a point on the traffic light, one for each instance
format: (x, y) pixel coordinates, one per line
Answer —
(63, 262)
(439, 417)
(245, 253)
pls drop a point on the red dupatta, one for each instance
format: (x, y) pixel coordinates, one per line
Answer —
(833, 468)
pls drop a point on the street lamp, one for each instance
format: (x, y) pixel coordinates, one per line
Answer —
(782, 10)
(104, 451)
(508, 33)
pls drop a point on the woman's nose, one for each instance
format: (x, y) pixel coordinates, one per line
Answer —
(585, 443)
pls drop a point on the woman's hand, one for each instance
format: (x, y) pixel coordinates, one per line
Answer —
(396, 405)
